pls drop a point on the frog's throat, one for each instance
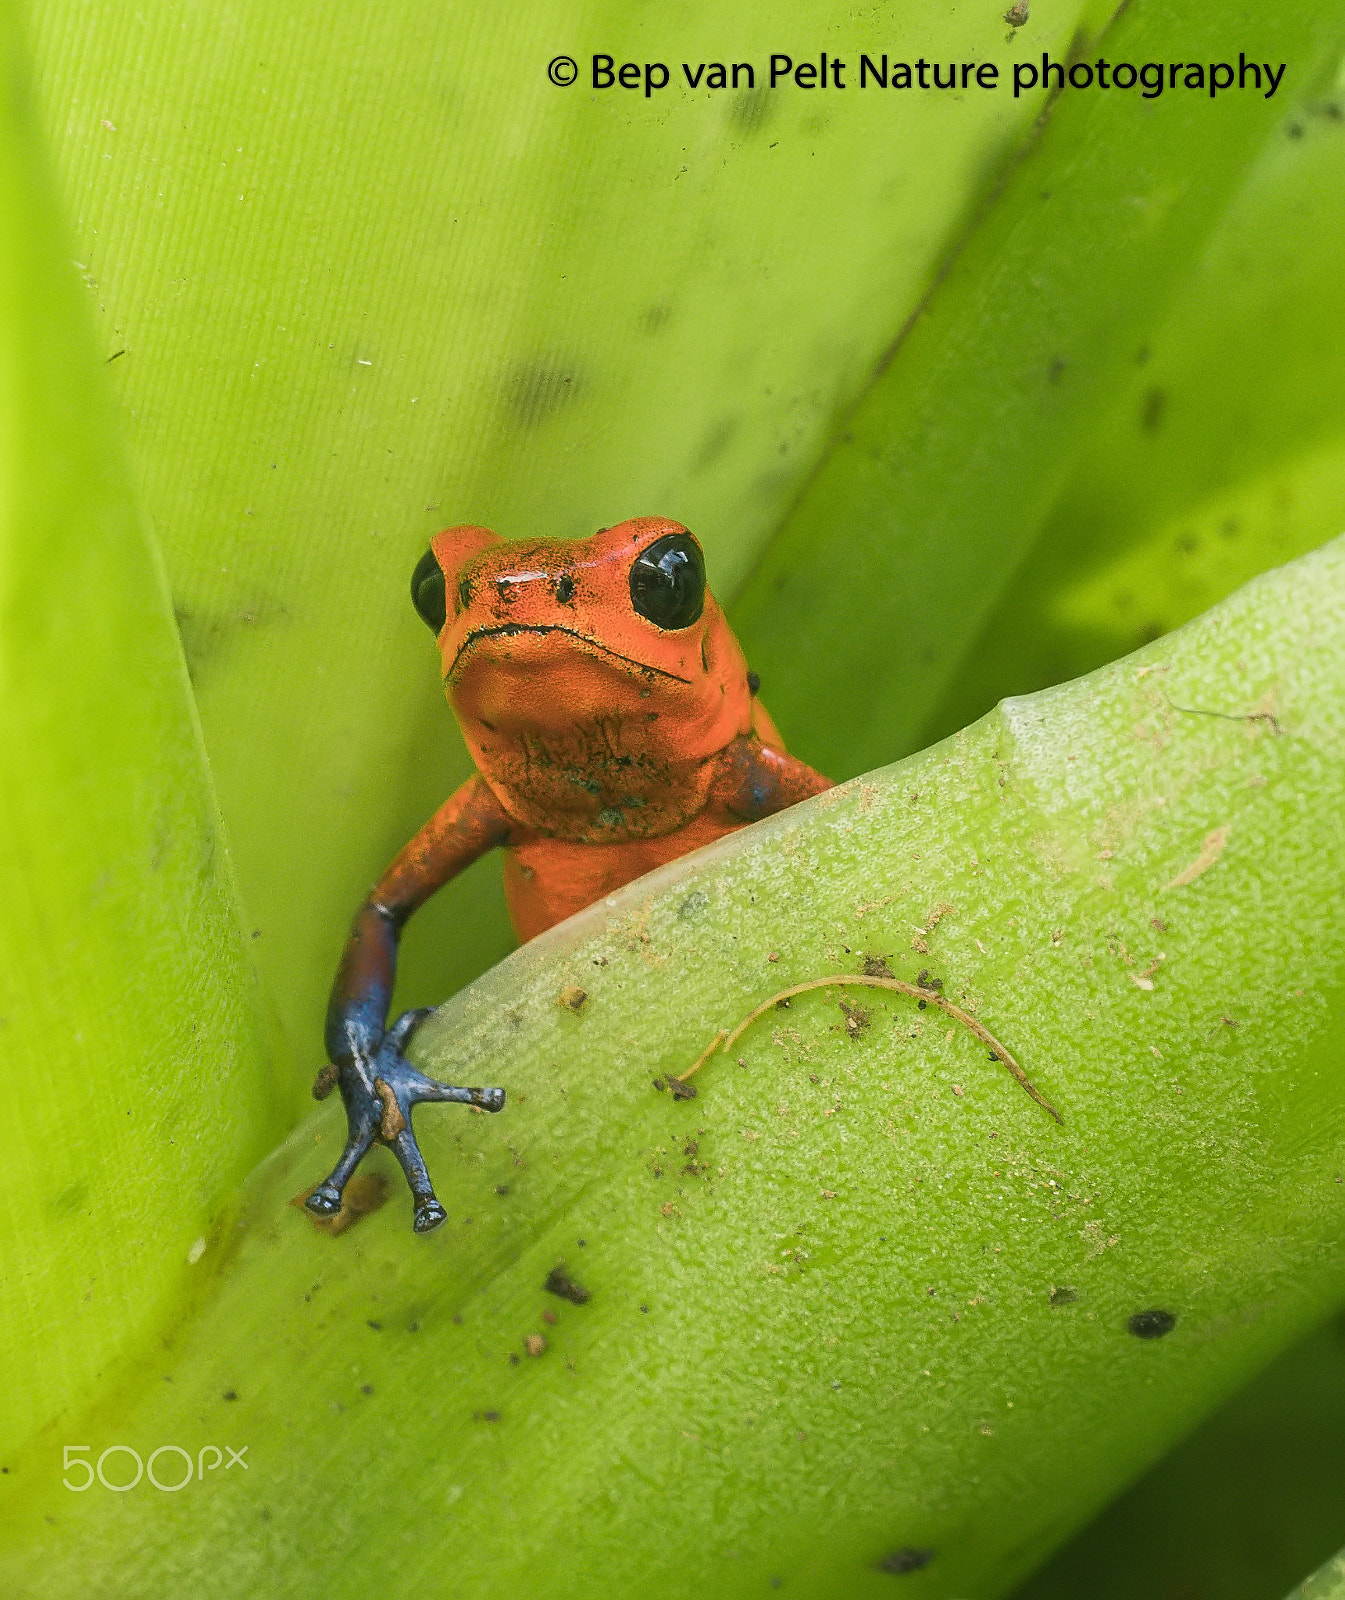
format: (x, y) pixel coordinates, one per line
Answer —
(508, 629)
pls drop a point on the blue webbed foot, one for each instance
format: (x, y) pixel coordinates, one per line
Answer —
(379, 1096)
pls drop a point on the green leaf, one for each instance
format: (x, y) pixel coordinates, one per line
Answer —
(861, 1296)
(943, 480)
(128, 1018)
(1223, 449)
(1252, 1499)
(1327, 1583)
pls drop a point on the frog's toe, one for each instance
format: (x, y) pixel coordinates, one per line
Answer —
(400, 1032)
(429, 1214)
(325, 1200)
(414, 1088)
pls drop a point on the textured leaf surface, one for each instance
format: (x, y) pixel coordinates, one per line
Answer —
(1251, 1500)
(1326, 1584)
(136, 1076)
(1222, 451)
(860, 1296)
(941, 483)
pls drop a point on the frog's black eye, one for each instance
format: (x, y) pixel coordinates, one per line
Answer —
(667, 582)
(427, 593)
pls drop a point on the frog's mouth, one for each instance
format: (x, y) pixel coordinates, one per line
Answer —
(508, 630)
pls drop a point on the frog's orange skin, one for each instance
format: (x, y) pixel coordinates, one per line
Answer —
(605, 746)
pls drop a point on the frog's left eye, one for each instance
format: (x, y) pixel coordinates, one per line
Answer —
(667, 582)
(427, 593)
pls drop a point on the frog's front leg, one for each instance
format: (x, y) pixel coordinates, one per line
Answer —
(379, 1087)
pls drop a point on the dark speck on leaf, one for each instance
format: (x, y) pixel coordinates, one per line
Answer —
(906, 1560)
(1063, 1295)
(230, 1394)
(1151, 1324)
(876, 967)
(559, 1282)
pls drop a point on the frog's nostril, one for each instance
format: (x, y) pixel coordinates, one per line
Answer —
(565, 588)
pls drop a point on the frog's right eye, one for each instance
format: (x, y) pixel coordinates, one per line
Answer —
(427, 593)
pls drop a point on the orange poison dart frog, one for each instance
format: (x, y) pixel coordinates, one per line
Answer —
(614, 726)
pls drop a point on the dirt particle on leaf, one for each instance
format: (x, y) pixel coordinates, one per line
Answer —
(1210, 851)
(325, 1081)
(906, 1559)
(534, 1344)
(560, 1283)
(572, 997)
(1151, 1324)
(485, 1416)
(877, 967)
(1063, 1295)
(856, 1019)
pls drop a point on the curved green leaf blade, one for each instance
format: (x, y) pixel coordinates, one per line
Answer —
(1223, 452)
(914, 523)
(860, 1296)
(137, 1080)
(1328, 1583)
(1254, 1497)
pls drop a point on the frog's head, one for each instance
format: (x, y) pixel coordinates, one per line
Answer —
(543, 639)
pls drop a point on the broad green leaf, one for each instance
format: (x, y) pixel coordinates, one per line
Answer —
(861, 1296)
(912, 527)
(1326, 1584)
(1240, 1509)
(139, 1087)
(372, 273)
(1224, 449)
